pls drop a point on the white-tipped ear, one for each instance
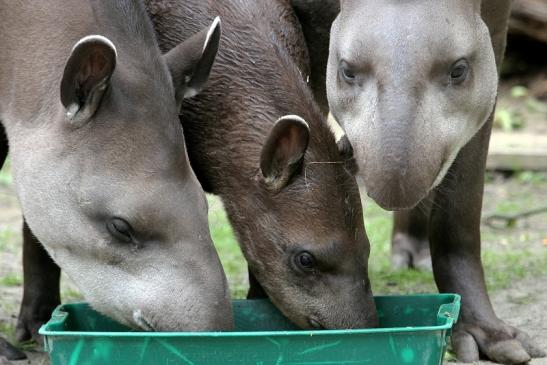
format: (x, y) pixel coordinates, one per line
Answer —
(190, 62)
(284, 150)
(335, 128)
(211, 33)
(86, 77)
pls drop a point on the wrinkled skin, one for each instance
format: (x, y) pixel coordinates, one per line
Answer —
(282, 178)
(421, 136)
(100, 167)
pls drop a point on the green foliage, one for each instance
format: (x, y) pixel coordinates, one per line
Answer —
(519, 92)
(8, 330)
(71, 295)
(226, 244)
(11, 279)
(7, 239)
(531, 177)
(5, 174)
(508, 119)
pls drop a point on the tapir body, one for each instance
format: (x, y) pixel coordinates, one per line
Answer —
(413, 85)
(258, 140)
(90, 110)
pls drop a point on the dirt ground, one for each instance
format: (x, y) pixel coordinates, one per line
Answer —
(523, 306)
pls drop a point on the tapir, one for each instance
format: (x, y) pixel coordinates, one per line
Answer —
(413, 85)
(257, 139)
(90, 111)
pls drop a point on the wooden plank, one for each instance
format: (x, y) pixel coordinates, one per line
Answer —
(529, 17)
(517, 151)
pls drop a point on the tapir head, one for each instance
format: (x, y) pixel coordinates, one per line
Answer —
(410, 82)
(300, 225)
(105, 183)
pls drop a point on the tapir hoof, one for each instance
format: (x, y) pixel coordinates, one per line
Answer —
(408, 252)
(9, 352)
(28, 330)
(31, 318)
(501, 343)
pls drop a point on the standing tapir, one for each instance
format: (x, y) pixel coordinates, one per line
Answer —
(257, 139)
(90, 110)
(413, 84)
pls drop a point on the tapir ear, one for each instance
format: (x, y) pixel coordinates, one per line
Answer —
(191, 61)
(344, 146)
(284, 150)
(86, 77)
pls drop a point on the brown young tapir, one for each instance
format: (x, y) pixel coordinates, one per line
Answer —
(257, 139)
(413, 85)
(90, 109)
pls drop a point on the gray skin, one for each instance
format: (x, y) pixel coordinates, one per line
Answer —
(421, 135)
(99, 161)
(258, 140)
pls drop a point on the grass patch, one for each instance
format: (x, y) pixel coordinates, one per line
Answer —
(504, 268)
(228, 249)
(70, 295)
(11, 279)
(8, 330)
(5, 174)
(9, 239)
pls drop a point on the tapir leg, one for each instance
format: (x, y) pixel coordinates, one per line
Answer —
(41, 293)
(455, 239)
(6, 349)
(410, 239)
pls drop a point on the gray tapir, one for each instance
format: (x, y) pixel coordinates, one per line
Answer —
(90, 110)
(257, 139)
(413, 85)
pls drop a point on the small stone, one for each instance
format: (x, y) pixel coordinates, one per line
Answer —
(4, 361)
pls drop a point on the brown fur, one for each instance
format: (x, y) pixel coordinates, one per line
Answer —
(259, 76)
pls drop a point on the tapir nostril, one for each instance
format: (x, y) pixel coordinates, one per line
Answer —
(315, 324)
(142, 322)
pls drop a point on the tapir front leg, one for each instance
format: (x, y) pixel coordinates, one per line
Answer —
(455, 238)
(41, 292)
(456, 254)
(410, 239)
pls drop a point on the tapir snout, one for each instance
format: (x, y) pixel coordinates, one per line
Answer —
(399, 170)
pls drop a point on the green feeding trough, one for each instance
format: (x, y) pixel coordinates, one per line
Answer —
(414, 330)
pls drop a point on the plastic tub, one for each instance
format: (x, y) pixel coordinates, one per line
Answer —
(414, 330)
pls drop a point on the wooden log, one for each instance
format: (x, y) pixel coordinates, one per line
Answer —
(529, 17)
(517, 151)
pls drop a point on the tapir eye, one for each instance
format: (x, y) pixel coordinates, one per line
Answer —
(459, 71)
(345, 71)
(305, 261)
(120, 229)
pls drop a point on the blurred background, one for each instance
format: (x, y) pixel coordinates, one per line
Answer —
(514, 228)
